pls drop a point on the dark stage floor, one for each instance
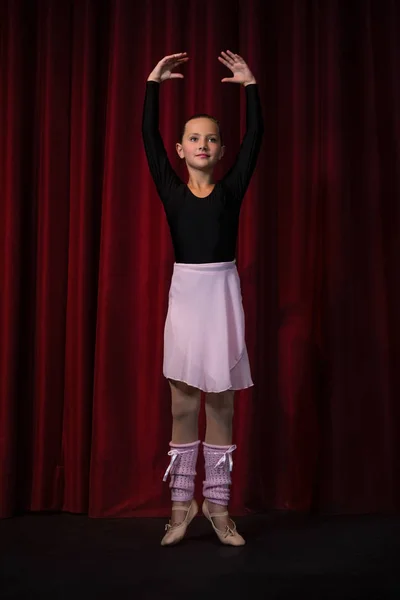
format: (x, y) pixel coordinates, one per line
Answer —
(286, 556)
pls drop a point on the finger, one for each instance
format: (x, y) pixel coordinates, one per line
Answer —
(173, 62)
(174, 66)
(227, 58)
(228, 80)
(231, 55)
(177, 63)
(176, 76)
(172, 57)
(224, 62)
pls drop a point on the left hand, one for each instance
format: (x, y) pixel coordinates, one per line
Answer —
(239, 68)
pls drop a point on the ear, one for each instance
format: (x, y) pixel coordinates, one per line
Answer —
(179, 150)
(221, 154)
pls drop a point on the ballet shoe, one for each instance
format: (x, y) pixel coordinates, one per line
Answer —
(229, 537)
(175, 533)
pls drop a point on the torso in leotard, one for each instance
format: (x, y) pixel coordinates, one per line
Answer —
(203, 230)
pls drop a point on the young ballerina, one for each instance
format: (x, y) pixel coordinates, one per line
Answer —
(204, 343)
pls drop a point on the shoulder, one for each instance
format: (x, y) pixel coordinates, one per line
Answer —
(173, 193)
(225, 192)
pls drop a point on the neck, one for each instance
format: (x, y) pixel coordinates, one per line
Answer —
(200, 179)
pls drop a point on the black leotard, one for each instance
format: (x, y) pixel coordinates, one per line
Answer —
(203, 230)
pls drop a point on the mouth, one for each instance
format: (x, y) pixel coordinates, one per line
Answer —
(202, 155)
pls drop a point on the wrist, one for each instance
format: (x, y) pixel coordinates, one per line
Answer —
(152, 77)
(250, 82)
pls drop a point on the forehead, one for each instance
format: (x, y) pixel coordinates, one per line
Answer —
(201, 125)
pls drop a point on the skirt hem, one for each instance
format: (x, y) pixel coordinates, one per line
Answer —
(234, 389)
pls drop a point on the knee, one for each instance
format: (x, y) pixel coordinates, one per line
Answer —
(185, 400)
(181, 388)
(220, 406)
(185, 407)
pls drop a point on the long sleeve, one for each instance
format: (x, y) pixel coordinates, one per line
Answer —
(160, 168)
(238, 177)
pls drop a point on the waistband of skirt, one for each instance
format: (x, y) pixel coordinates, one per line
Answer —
(220, 266)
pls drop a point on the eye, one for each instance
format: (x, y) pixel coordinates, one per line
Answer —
(213, 139)
(193, 138)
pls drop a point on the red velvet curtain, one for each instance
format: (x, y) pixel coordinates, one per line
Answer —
(86, 259)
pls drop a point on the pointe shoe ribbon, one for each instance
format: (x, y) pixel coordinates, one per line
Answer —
(229, 536)
(228, 530)
(175, 533)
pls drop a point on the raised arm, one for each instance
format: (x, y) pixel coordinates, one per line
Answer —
(161, 170)
(238, 177)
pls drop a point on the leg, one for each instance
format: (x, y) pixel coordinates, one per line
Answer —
(217, 454)
(184, 449)
(185, 402)
(219, 413)
(185, 414)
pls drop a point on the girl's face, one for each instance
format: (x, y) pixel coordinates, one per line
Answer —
(201, 144)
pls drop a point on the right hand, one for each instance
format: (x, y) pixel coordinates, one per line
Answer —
(163, 70)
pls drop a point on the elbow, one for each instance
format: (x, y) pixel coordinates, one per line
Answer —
(257, 132)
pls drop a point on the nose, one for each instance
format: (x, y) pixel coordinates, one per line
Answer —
(203, 145)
